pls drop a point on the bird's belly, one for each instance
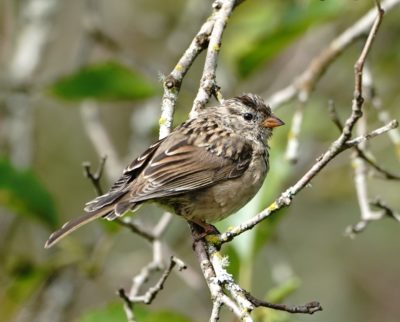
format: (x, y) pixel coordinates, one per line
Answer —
(221, 200)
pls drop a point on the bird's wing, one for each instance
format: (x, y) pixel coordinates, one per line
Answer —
(119, 188)
(184, 167)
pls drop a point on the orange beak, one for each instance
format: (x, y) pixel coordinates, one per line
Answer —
(272, 121)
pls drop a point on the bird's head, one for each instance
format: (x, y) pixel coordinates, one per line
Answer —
(248, 115)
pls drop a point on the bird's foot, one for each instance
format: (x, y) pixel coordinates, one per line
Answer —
(201, 229)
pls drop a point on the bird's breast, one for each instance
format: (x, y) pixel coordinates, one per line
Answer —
(223, 199)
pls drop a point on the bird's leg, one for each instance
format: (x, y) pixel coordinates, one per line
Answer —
(207, 229)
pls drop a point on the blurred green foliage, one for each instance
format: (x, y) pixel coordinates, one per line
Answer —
(115, 313)
(290, 20)
(112, 312)
(278, 294)
(106, 81)
(26, 280)
(21, 191)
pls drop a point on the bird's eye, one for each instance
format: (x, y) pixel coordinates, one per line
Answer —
(248, 116)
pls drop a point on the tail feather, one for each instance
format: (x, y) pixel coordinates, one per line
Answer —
(74, 224)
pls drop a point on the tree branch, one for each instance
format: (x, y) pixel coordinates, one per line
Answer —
(172, 83)
(309, 308)
(95, 177)
(223, 10)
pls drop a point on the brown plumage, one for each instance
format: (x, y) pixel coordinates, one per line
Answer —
(204, 170)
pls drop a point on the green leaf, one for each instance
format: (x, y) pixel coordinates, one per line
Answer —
(107, 81)
(293, 21)
(22, 192)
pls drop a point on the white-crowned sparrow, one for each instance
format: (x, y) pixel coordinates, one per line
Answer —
(204, 170)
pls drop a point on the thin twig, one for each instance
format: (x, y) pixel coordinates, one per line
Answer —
(379, 131)
(309, 308)
(359, 66)
(136, 228)
(95, 177)
(131, 297)
(385, 174)
(384, 211)
(387, 211)
(155, 265)
(128, 305)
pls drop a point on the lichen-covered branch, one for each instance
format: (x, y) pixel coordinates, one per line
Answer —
(223, 10)
(172, 82)
(240, 302)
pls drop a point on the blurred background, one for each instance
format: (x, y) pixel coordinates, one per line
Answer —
(68, 66)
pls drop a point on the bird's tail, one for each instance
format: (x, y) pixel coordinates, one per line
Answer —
(75, 223)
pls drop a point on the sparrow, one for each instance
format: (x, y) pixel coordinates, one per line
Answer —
(204, 170)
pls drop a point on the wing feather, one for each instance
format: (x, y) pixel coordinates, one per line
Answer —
(186, 167)
(120, 187)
